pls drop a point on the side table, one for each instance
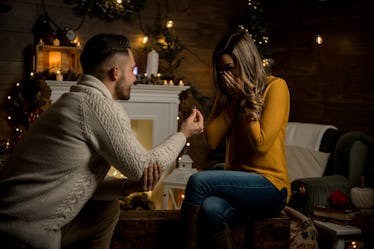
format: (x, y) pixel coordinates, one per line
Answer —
(339, 233)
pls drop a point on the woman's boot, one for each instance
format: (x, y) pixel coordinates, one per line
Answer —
(189, 224)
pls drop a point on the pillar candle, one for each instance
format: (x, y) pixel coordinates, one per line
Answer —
(152, 63)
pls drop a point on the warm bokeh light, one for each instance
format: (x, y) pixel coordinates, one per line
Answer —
(145, 39)
(169, 24)
(319, 39)
(54, 60)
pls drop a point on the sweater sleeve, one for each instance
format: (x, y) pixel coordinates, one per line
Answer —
(109, 130)
(263, 133)
(219, 122)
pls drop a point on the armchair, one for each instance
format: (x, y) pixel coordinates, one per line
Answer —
(342, 158)
(321, 159)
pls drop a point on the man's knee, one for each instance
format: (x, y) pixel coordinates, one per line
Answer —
(109, 210)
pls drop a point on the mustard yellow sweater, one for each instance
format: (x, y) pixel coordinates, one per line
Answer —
(254, 146)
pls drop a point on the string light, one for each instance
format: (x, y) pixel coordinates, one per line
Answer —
(116, 173)
(319, 39)
(169, 24)
(266, 62)
(145, 39)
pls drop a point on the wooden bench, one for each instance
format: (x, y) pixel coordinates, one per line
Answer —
(160, 229)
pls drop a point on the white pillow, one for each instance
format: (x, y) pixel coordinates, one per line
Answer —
(303, 163)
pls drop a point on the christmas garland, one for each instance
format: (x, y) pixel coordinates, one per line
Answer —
(107, 9)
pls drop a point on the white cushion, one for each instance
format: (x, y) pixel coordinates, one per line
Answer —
(303, 163)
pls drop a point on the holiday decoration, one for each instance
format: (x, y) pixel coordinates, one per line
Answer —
(338, 200)
(108, 10)
(137, 201)
(23, 105)
(165, 41)
(152, 63)
(362, 197)
(254, 23)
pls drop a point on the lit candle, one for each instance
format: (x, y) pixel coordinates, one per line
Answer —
(59, 76)
(181, 83)
(165, 82)
(152, 63)
(56, 42)
(171, 82)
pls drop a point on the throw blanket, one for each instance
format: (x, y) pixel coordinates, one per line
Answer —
(306, 135)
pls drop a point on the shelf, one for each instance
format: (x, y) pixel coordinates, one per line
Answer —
(55, 58)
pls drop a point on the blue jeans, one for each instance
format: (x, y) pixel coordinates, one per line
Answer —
(226, 196)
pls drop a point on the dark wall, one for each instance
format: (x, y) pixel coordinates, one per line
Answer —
(329, 83)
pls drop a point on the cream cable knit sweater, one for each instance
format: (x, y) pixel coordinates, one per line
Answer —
(59, 164)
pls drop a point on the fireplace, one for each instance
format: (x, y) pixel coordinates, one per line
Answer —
(153, 110)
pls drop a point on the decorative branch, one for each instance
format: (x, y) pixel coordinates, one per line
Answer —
(107, 10)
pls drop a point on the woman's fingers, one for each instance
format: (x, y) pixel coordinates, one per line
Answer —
(233, 84)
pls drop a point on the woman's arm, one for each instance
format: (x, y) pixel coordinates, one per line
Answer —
(219, 121)
(263, 133)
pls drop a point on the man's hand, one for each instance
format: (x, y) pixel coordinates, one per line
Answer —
(194, 124)
(151, 176)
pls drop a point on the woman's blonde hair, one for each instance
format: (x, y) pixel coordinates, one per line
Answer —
(241, 47)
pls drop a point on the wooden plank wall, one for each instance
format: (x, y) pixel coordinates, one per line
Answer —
(199, 25)
(331, 83)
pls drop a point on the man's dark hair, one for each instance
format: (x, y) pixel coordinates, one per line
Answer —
(101, 47)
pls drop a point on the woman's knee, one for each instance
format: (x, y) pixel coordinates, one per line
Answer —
(197, 179)
(218, 213)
